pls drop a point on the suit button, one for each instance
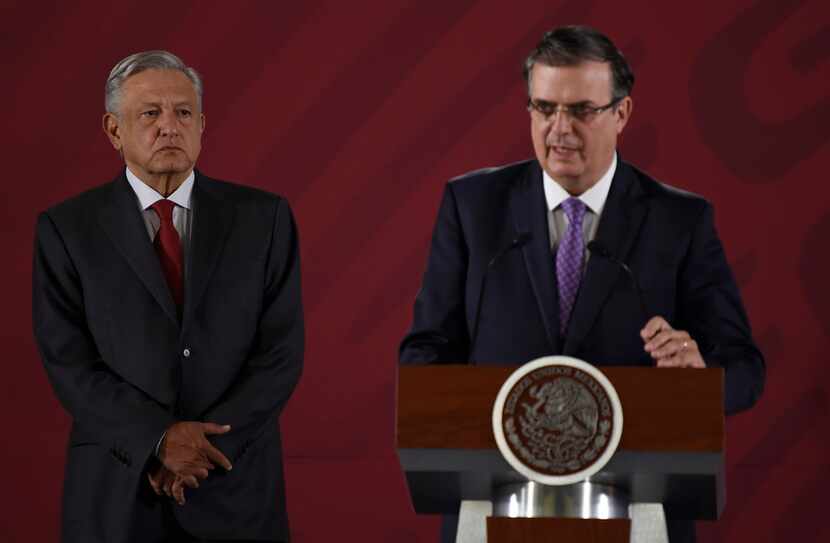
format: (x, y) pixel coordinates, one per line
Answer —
(186, 353)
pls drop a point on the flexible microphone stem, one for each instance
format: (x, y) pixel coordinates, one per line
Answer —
(520, 240)
(597, 248)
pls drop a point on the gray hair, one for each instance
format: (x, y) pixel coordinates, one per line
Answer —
(146, 60)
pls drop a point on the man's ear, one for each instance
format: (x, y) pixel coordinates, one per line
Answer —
(623, 112)
(112, 130)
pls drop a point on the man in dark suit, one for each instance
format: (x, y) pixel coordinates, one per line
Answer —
(511, 275)
(168, 315)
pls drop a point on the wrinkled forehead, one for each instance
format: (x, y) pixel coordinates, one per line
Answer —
(588, 81)
(159, 86)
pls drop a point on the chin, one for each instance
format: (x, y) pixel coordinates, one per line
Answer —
(563, 171)
(173, 166)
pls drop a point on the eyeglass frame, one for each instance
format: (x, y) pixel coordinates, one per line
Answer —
(587, 113)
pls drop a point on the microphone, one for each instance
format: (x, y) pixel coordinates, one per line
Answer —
(597, 248)
(519, 241)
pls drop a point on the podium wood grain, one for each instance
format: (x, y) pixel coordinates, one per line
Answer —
(450, 407)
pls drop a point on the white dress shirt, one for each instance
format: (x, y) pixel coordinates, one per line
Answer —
(593, 198)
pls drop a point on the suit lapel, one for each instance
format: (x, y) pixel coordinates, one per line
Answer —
(619, 226)
(529, 214)
(212, 220)
(123, 223)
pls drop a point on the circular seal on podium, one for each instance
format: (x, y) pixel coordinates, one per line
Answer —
(557, 420)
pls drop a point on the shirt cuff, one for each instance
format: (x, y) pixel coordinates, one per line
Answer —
(158, 445)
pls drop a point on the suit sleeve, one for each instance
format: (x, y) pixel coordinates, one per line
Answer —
(273, 369)
(113, 412)
(710, 308)
(439, 330)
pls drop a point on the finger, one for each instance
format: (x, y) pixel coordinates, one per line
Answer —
(153, 483)
(676, 362)
(200, 472)
(178, 491)
(197, 468)
(699, 363)
(167, 481)
(200, 467)
(669, 362)
(684, 359)
(663, 339)
(654, 325)
(211, 428)
(658, 340)
(216, 456)
(691, 358)
(193, 459)
(184, 457)
(190, 481)
(680, 343)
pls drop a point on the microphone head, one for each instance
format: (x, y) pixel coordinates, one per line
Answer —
(521, 239)
(597, 247)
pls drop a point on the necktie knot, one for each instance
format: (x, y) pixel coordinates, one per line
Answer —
(164, 209)
(574, 209)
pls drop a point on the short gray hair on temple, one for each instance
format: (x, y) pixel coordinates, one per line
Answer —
(146, 60)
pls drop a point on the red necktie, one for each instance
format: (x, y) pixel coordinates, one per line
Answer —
(169, 249)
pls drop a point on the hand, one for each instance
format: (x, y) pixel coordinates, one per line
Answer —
(166, 482)
(670, 348)
(185, 451)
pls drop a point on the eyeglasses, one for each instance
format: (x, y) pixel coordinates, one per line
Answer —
(578, 112)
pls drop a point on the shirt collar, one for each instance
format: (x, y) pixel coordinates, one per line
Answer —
(594, 198)
(147, 196)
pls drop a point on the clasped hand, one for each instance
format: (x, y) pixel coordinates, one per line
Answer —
(186, 456)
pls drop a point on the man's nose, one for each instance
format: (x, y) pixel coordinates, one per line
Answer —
(168, 123)
(560, 121)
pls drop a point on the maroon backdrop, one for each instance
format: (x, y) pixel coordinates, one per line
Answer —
(358, 113)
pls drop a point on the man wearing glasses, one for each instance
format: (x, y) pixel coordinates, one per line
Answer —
(578, 252)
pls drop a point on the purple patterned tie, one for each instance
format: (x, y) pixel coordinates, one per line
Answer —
(569, 260)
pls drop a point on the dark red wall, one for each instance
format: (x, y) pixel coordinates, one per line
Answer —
(359, 112)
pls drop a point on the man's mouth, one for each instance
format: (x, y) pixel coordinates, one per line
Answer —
(562, 149)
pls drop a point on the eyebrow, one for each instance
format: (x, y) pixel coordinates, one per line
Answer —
(581, 103)
(158, 104)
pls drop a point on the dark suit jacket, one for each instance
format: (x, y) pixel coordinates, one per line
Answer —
(666, 236)
(114, 350)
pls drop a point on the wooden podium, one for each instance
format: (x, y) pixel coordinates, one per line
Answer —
(671, 450)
